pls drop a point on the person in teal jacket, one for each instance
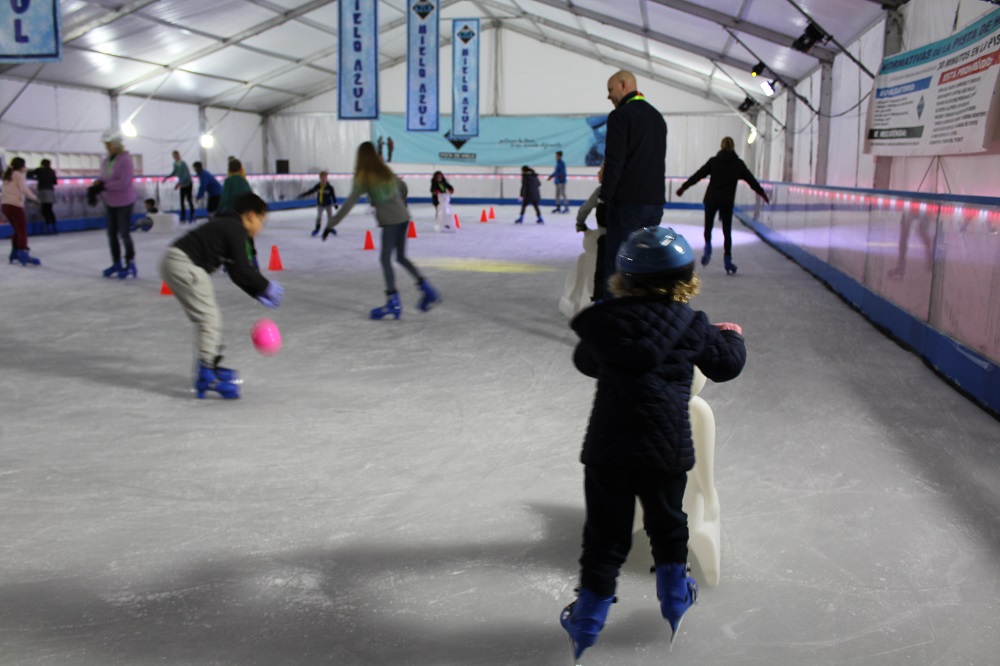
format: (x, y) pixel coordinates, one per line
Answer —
(184, 184)
(234, 186)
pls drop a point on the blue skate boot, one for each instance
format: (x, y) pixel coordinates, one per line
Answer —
(519, 220)
(540, 220)
(128, 270)
(226, 374)
(730, 266)
(25, 258)
(584, 618)
(113, 269)
(707, 256)
(391, 308)
(677, 592)
(208, 380)
(430, 295)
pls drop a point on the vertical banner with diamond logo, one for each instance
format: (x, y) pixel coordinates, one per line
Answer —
(423, 39)
(30, 31)
(465, 78)
(357, 78)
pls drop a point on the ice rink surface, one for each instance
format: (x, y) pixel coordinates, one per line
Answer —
(410, 493)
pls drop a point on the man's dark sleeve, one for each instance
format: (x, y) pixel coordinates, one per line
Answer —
(615, 148)
(751, 181)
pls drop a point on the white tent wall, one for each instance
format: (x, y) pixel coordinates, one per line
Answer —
(50, 119)
(848, 164)
(163, 128)
(238, 134)
(316, 141)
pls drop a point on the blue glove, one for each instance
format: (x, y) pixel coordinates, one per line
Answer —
(272, 295)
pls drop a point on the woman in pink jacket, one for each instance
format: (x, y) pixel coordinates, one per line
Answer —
(12, 195)
(116, 189)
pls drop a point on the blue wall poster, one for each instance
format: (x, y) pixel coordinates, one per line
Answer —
(502, 141)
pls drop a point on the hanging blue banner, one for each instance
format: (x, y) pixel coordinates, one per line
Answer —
(423, 38)
(30, 31)
(502, 141)
(465, 78)
(357, 76)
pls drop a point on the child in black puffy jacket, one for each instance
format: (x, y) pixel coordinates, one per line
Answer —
(642, 347)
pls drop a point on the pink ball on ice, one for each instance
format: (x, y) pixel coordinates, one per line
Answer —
(266, 337)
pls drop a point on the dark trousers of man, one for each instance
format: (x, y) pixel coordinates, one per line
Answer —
(186, 193)
(213, 203)
(725, 212)
(607, 535)
(623, 219)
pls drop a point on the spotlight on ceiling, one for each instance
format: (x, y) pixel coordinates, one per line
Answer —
(813, 34)
(753, 136)
(758, 69)
(207, 140)
(767, 87)
(747, 104)
(129, 130)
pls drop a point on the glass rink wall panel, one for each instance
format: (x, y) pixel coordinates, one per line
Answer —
(936, 257)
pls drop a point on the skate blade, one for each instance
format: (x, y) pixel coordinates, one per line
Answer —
(577, 659)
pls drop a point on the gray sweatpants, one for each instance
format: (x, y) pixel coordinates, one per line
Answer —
(192, 286)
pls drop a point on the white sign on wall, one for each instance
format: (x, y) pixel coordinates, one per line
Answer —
(940, 99)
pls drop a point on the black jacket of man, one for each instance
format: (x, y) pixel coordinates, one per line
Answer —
(635, 154)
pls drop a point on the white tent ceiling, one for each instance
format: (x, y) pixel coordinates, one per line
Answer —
(266, 55)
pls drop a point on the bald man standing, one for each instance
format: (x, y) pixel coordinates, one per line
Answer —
(634, 166)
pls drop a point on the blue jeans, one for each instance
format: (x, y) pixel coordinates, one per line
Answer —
(119, 225)
(623, 219)
(394, 240)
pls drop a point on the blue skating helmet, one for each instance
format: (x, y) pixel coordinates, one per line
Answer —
(654, 250)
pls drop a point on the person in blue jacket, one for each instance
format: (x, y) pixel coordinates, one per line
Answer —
(562, 203)
(642, 347)
(208, 185)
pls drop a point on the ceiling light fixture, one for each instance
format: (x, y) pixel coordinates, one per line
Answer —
(810, 37)
(758, 69)
(768, 87)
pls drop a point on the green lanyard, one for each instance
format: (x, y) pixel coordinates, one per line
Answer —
(637, 96)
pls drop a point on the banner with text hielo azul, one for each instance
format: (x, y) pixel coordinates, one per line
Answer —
(423, 38)
(357, 75)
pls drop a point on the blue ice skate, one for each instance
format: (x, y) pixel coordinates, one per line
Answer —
(430, 295)
(128, 270)
(677, 592)
(113, 269)
(392, 308)
(584, 618)
(209, 380)
(730, 266)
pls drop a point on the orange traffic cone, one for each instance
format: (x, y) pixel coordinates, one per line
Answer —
(275, 264)
(412, 231)
(457, 225)
(165, 289)
(482, 218)
(369, 243)
(492, 214)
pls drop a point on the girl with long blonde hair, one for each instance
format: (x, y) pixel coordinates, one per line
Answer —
(387, 193)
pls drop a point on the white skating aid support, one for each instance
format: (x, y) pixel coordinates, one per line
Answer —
(701, 500)
(164, 223)
(580, 281)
